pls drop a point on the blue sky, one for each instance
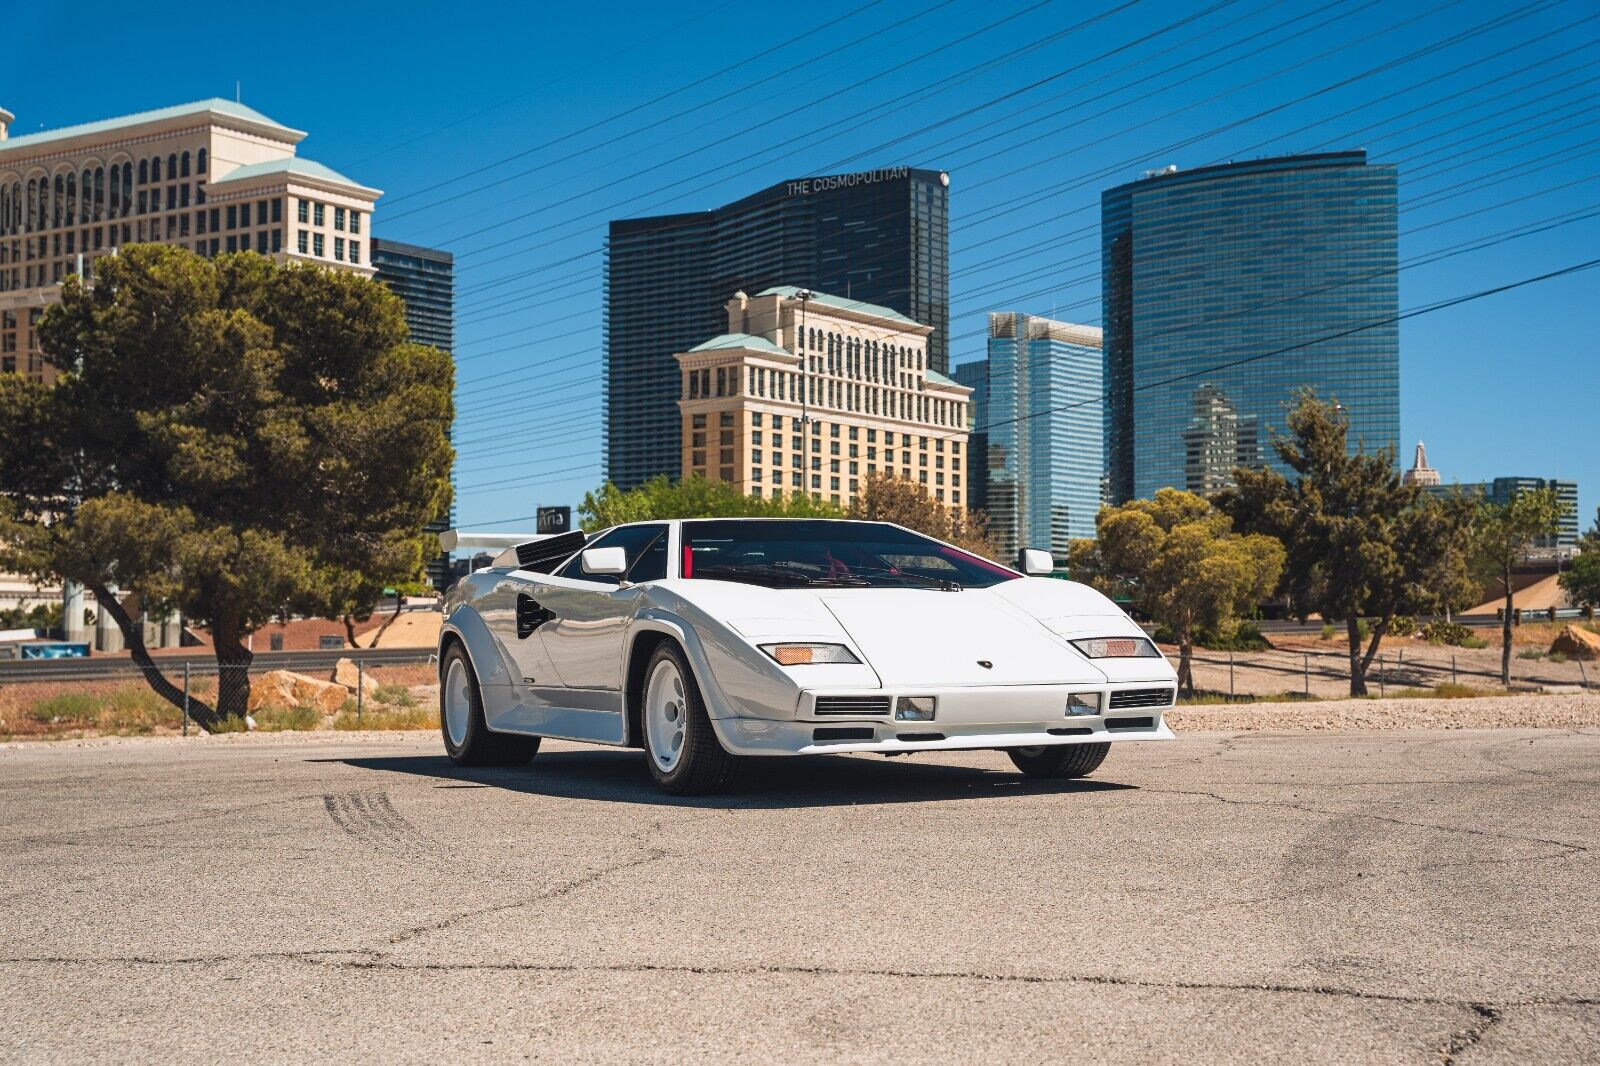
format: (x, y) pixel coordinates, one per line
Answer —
(629, 109)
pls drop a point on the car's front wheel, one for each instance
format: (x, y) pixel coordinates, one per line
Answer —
(1059, 760)
(467, 738)
(680, 747)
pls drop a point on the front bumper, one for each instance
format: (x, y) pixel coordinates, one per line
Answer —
(966, 718)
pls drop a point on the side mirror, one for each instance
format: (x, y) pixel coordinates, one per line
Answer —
(605, 561)
(1037, 562)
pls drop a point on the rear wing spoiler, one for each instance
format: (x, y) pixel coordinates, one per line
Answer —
(526, 551)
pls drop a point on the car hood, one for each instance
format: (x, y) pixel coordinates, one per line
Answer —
(928, 637)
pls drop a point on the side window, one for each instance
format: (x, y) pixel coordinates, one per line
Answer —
(652, 562)
(631, 539)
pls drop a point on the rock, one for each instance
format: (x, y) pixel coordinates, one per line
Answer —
(426, 695)
(325, 696)
(275, 688)
(1576, 642)
(283, 688)
(346, 674)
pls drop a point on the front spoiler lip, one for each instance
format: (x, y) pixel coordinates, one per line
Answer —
(753, 736)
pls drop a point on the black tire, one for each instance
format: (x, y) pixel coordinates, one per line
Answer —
(704, 767)
(1060, 760)
(479, 746)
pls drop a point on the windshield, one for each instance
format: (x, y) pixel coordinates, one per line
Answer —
(838, 554)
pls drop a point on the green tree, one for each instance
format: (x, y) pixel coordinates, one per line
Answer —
(228, 438)
(1361, 544)
(692, 497)
(1582, 580)
(887, 498)
(1505, 532)
(1179, 560)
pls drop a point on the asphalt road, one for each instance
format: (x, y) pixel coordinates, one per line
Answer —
(1399, 897)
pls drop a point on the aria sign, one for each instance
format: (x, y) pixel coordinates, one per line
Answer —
(807, 186)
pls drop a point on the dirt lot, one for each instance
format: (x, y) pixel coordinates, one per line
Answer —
(1404, 662)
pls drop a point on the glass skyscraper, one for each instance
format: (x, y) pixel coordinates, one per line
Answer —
(424, 278)
(1229, 288)
(1037, 448)
(880, 236)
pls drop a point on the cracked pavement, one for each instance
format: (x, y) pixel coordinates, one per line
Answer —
(1421, 897)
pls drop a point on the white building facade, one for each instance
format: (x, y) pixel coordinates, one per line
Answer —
(212, 176)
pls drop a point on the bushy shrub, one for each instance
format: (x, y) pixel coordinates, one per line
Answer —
(1403, 626)
(1454, 633)
(1246, 636)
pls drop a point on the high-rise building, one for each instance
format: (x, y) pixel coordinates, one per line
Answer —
(880, 236)
(1038, 417)
(213, 176)
(808, 393)
(1227, 289)
(1502, 490)
(1420, 473)
(425, 279)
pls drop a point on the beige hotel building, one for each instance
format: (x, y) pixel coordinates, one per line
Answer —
(808, 392)
(213, 176)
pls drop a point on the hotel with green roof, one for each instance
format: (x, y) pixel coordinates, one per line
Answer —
(809, 393)
(213, 176)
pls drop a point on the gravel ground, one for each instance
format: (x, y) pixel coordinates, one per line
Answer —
(1554, 711)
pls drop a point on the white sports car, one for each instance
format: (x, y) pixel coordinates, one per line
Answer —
(706, 642)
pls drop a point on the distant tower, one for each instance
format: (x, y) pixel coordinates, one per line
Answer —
(1420, 473)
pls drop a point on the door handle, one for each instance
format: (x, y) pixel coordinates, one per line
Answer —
(531, 614)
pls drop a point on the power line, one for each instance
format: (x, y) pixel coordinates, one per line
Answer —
(1423, 309)
(642, 106)
(1088, 229)
(1493, 23)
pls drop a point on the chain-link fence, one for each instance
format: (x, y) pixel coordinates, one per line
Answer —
(104, 696)
(1325, 673)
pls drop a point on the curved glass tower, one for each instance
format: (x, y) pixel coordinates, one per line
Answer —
(1227, 289)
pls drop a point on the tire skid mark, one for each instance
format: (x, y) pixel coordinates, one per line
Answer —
(368, 817)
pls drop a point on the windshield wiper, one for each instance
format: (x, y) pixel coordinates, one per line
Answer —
(775, 574)
(942, 583)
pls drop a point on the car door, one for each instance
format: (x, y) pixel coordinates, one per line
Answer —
(587, 615)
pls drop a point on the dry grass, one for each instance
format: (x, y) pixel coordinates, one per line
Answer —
(386, 717)
(1449, 690)
(128, 707)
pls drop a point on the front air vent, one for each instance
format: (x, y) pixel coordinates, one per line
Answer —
(918, 738)
(1142, 697)
(842, 734)
(852, 705)
(1117, 725)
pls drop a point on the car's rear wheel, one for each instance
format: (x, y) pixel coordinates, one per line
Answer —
(467, 738)
(680, 746)
(1059, 760)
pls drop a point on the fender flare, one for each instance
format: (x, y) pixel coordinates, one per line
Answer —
(657, 620)
(483, 651)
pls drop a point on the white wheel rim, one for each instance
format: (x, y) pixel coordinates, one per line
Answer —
(666, 708)
(457, 702)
